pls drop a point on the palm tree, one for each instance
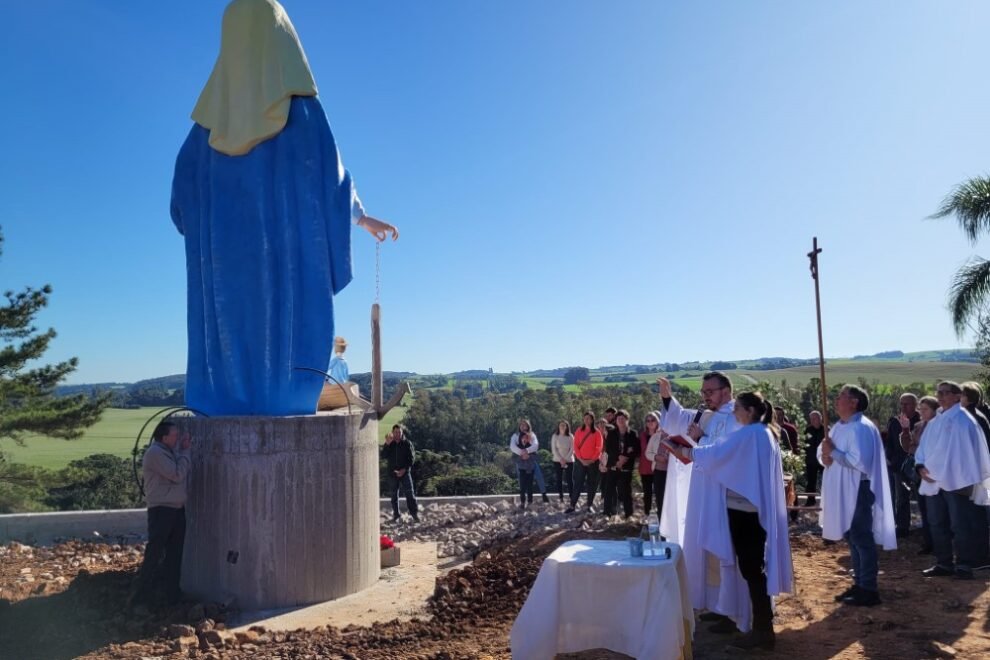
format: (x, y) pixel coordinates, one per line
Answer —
(969, 202)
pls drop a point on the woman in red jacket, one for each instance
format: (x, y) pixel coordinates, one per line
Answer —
(588, 443)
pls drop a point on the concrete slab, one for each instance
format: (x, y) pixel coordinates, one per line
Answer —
(400, 593)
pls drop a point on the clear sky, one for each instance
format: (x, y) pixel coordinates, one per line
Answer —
(576, 183)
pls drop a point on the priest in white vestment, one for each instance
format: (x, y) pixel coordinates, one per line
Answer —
(747, 464)
(856, 504)
(714, 580)
(954, 464)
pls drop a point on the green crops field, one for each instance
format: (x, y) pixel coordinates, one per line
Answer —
(114, 434)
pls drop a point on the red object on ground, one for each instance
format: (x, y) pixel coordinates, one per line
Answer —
(386, 543)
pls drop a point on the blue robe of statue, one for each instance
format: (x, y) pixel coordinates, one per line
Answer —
(267, 246)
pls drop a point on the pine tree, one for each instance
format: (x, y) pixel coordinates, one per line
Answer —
(27, 395)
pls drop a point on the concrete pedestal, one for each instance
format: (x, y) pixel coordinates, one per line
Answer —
(282, 511)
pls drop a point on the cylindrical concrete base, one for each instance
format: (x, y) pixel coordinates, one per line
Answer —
(282, 511)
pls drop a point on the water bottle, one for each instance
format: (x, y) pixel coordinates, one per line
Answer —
(654, 527)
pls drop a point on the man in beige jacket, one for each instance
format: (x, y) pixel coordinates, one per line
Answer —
(165, 468)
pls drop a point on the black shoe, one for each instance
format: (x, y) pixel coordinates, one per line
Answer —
(396, 518)
(415, 517)
(851, 591)
(522, 506)
(937, 571)
(926, 550)
(546, 500)
(755, 639)
(863, 598)
(724, 627)
(963, 574)
(828, 542)
(569, 509)
(712, 616)
(901, 533)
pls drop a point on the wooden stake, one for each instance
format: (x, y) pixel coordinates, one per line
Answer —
(376, 358)
(813, 255)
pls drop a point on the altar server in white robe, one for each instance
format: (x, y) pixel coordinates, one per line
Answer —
(714, 581)
(954, 465)
(747, 464)
(856, 502)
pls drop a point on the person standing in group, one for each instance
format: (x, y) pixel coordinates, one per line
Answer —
(752, 526)
(165, 469)
(657, 457)
(900, 488)
(562, 448)
(814, 433)
(856, 500)
(525, 446)
(715, 582)
(972, 400)
(789, 431)
(910, 439)
(400, 455)
(954, 465)
(625, 463)
(606, 482)
(610, 459)
(651, 424)
(588, 443)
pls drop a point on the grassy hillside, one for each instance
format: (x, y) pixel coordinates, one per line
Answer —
(891, 372)
(113, 434)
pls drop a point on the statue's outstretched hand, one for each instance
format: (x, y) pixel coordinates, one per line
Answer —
(378, 228)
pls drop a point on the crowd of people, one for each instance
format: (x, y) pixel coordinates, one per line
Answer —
(714, 478)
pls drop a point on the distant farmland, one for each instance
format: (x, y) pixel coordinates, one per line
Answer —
(837, 371)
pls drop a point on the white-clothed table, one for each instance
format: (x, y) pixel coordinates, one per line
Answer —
(592, 594)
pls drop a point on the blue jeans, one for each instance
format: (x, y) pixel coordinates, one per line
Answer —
(540, 483)
(862, 547)
(404, 482)
(951, 516)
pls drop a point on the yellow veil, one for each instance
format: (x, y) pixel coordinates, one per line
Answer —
(260, 68)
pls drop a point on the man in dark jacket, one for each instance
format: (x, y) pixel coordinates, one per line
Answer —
(622, 447)
(399, 455)
(900, 490)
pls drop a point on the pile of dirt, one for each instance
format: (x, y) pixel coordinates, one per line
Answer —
(472, 610)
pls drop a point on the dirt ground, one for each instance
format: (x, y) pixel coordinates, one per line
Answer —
(84, 613)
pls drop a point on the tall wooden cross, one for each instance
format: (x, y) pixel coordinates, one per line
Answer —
(813, 256)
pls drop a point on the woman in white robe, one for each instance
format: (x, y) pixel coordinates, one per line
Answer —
(747, 464)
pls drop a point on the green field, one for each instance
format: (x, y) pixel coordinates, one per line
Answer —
(836, 372)
(114, 434)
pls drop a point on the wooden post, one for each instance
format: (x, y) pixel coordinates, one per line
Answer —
(376, 358)
(813, 255)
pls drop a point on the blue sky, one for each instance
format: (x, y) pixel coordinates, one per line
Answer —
(576, 182)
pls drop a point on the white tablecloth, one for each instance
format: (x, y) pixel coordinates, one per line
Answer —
(592, 594)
